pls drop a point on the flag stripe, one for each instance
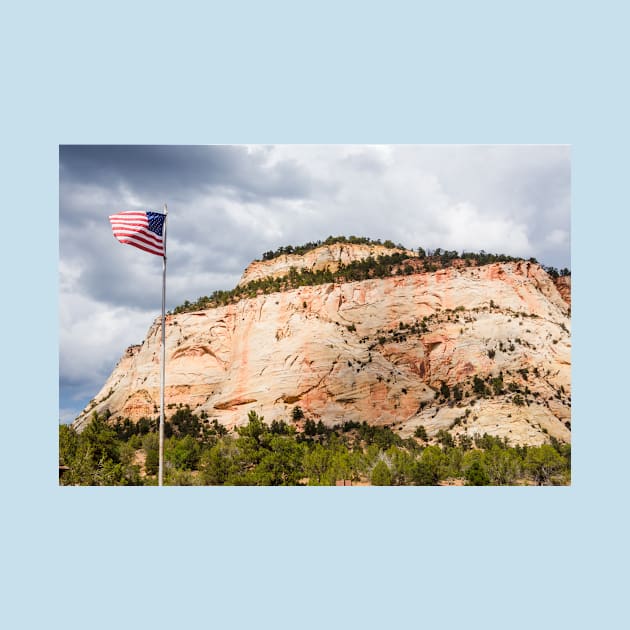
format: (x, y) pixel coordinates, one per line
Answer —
(142, 247)
(143, 234)
(130, 218)
(135, 228)
(116, 223)
(134, 240)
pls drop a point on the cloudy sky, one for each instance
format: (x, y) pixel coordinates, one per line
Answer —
(228, 204)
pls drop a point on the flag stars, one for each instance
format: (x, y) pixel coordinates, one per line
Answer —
(156, 221)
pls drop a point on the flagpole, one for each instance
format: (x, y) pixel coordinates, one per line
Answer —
(163, 361)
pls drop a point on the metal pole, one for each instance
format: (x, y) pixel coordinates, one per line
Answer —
(163, 361)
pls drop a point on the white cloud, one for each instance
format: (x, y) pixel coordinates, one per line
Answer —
(92, 337)
(557, 237)
(464, 227)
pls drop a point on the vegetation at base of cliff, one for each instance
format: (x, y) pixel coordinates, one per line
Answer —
(395, 264)
(198, 451)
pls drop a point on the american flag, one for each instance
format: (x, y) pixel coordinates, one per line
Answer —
(143, 230)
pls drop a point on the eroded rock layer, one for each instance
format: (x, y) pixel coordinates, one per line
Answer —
(329, 257)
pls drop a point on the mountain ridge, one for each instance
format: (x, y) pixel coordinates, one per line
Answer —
(468, 349)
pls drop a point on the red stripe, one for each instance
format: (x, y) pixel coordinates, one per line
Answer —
(146, 249)
(150, 236)
(132, 237)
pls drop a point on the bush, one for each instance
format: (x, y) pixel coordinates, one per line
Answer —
(182, 453)
(421, 433)
(479, 386)
(381, 475)
(497, 385)
(151, 463)
(424, 475)
(435, 461)
(476, 475)
(184, 422)
(218, 463)
(445, 391)
(445, 438)
(544, 464)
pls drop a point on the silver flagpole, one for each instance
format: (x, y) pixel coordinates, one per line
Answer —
(161, 447)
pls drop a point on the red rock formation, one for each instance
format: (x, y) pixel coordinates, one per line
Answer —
(376, 350)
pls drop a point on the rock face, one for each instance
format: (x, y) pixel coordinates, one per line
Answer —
(563, 284)
(327, 256)
(471, 350)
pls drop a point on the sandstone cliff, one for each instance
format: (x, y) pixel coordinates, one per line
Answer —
(468, 349)
(326, 256)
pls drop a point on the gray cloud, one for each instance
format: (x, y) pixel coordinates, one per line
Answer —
(175, 172)
(228, 204)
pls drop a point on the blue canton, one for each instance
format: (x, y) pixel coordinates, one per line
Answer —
(156, 221)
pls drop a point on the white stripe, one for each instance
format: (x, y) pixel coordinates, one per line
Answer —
(129, 222)
(130, 213)
(127, 219)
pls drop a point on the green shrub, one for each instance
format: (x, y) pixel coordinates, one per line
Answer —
(421, 433)
(477, 475)
(381, 475)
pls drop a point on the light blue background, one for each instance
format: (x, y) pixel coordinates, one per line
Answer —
(396, 72)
